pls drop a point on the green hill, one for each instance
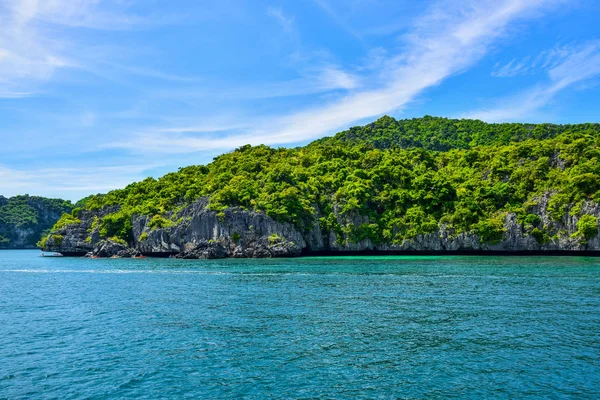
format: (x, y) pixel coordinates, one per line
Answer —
(409, 177)
(443, 134)
(25, 219)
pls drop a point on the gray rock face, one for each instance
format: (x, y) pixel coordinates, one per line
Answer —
(110, 248)
(204, 250)
(198, 233)
(79, 238)
(516, 238)
(201, 233)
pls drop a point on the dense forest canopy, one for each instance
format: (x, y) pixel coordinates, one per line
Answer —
(443, 134)
(409, 177)
(24, 219)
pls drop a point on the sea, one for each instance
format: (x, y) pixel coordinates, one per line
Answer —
(303, 328)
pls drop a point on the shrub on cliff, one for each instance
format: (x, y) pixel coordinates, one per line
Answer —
(587, 226)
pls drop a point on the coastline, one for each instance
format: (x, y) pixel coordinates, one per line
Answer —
(372, 253)
(21, 248)
(203, 234)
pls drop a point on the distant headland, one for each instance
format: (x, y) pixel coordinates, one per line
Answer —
(24, 220)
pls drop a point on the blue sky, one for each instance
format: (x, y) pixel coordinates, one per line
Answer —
(97, 94)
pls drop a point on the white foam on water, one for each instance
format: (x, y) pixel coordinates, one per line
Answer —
(96, 271)
(147, 271)
(132, 271)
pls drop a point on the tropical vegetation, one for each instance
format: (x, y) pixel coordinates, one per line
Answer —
(25, 219)
(408, 177)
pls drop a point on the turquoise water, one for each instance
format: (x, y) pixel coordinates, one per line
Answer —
(364, 327)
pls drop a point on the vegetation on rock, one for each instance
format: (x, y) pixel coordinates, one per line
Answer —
(25, 219)
(587, 227)
(403, 178)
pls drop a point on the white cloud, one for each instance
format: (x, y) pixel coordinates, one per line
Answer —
(312, 80)
(14, 95)
(69, 183)
(576, 65)
(335, 78)
(444, 42)
(88, 119)
(542, 63)
(341, 22)
(277, 13)
(33, 43)
(511, 69)
(73, 13)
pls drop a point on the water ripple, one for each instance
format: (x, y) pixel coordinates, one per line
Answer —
(439, 327)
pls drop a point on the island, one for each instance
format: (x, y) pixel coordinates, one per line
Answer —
(25, 219)
(425, 185)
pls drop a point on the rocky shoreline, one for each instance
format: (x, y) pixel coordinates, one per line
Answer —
(200, 233)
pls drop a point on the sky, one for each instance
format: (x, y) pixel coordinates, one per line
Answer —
(97, 94)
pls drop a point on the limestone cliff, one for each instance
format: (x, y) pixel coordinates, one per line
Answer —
(545, 235)
(197, 232)
(24, 219)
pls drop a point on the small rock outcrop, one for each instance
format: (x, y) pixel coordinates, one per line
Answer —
(204, 249)
(111, 248)
(80, 238)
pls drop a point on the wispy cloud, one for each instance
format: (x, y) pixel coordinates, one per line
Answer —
(73, 13)
(541, 63)
(33, 43)
(511, 69)
(312, 80)
(69, 183)
(341, 22)
(286, 22)
(441, 44)
(14, 95)
(564, 69)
